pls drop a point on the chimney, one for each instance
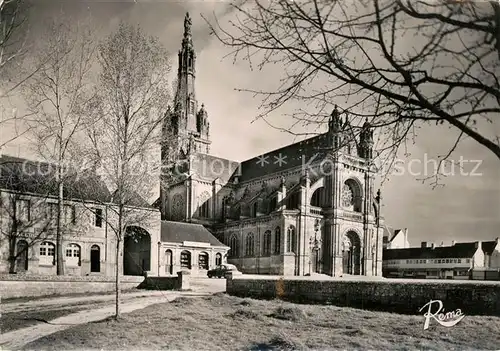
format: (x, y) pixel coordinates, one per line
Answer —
(424, 244)
(432, 245)
(453, 243)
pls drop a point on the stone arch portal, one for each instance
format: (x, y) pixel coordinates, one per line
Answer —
(351, 253)
(136, 251)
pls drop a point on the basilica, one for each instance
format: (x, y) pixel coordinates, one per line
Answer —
(306, 208)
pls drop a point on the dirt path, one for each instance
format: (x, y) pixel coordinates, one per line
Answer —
(47, 303)
(16, 339)
(198, 285)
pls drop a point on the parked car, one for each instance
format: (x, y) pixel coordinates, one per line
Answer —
(220, 271)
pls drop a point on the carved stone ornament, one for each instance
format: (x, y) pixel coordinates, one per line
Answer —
(347, 196)
(346, 244)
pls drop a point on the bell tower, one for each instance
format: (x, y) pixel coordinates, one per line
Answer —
(190, 124)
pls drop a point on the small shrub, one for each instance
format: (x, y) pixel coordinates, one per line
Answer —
(245, 314)
(289, 313)
(282, 342)
(280, 288)
(245, 302)
(183, 301)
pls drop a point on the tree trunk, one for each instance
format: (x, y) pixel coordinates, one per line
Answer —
(117, 276)
(59, 249)
(117, 280)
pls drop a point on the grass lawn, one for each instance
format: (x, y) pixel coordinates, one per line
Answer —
(222, 322)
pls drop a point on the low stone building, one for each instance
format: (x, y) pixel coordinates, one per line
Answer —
(456, 261)
(188, 246)
(28, 212)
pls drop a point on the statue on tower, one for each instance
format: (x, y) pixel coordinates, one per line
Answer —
(187, 24)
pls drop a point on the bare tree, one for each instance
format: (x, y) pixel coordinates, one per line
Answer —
(13, 16)
(13, 34)
(133, 95)
(397, 63)
(56, 96)
(25, 220)
(28, 207)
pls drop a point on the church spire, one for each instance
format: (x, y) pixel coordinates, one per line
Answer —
(191, 123)
(187, 30)
(185, 98)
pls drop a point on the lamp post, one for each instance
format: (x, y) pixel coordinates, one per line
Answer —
(315, 245)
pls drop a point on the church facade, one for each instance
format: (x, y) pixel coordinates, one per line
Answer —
(306, 208)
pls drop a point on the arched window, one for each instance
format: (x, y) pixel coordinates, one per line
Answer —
(47, 254)
(293, 201)
(22, 256)
(186, 259)
(73, 255)
(204, 201)
(249, 247)
(317, 197)
(223, 208)
(177, 207)
(266, 249)
(273, 204)
(203, 260)
(351, 195)
(233, 244)
(218, 259)
(255, 208)
(291, 240)
(277, 240)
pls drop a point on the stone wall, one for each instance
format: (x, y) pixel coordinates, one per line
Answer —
(408, 296)
(13, 285)
(179, 282)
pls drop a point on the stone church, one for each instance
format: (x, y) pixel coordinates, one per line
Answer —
(303, 209)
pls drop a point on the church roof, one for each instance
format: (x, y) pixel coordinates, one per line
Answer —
(294, 155)
(212, 167)
(459, 250)
(179, 232)
(38, 177)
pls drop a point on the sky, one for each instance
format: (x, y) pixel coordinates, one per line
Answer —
(466, 208)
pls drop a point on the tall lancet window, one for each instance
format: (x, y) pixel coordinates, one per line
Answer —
(191, 106)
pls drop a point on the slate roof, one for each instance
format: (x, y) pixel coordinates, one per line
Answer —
(38, 177)
(292, 155)
(212, 167)
(134, 199)
(459, 250)
(178, 232)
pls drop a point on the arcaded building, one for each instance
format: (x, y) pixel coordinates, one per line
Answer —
(309, 207)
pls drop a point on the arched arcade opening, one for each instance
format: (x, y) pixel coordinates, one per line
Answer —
(136, 251)
(351, 253)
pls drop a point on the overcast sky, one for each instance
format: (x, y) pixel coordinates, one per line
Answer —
(467, 208)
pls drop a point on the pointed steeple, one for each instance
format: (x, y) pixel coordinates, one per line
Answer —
(335, 123)
(366, 140)
(335, 128)
(192, 127)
